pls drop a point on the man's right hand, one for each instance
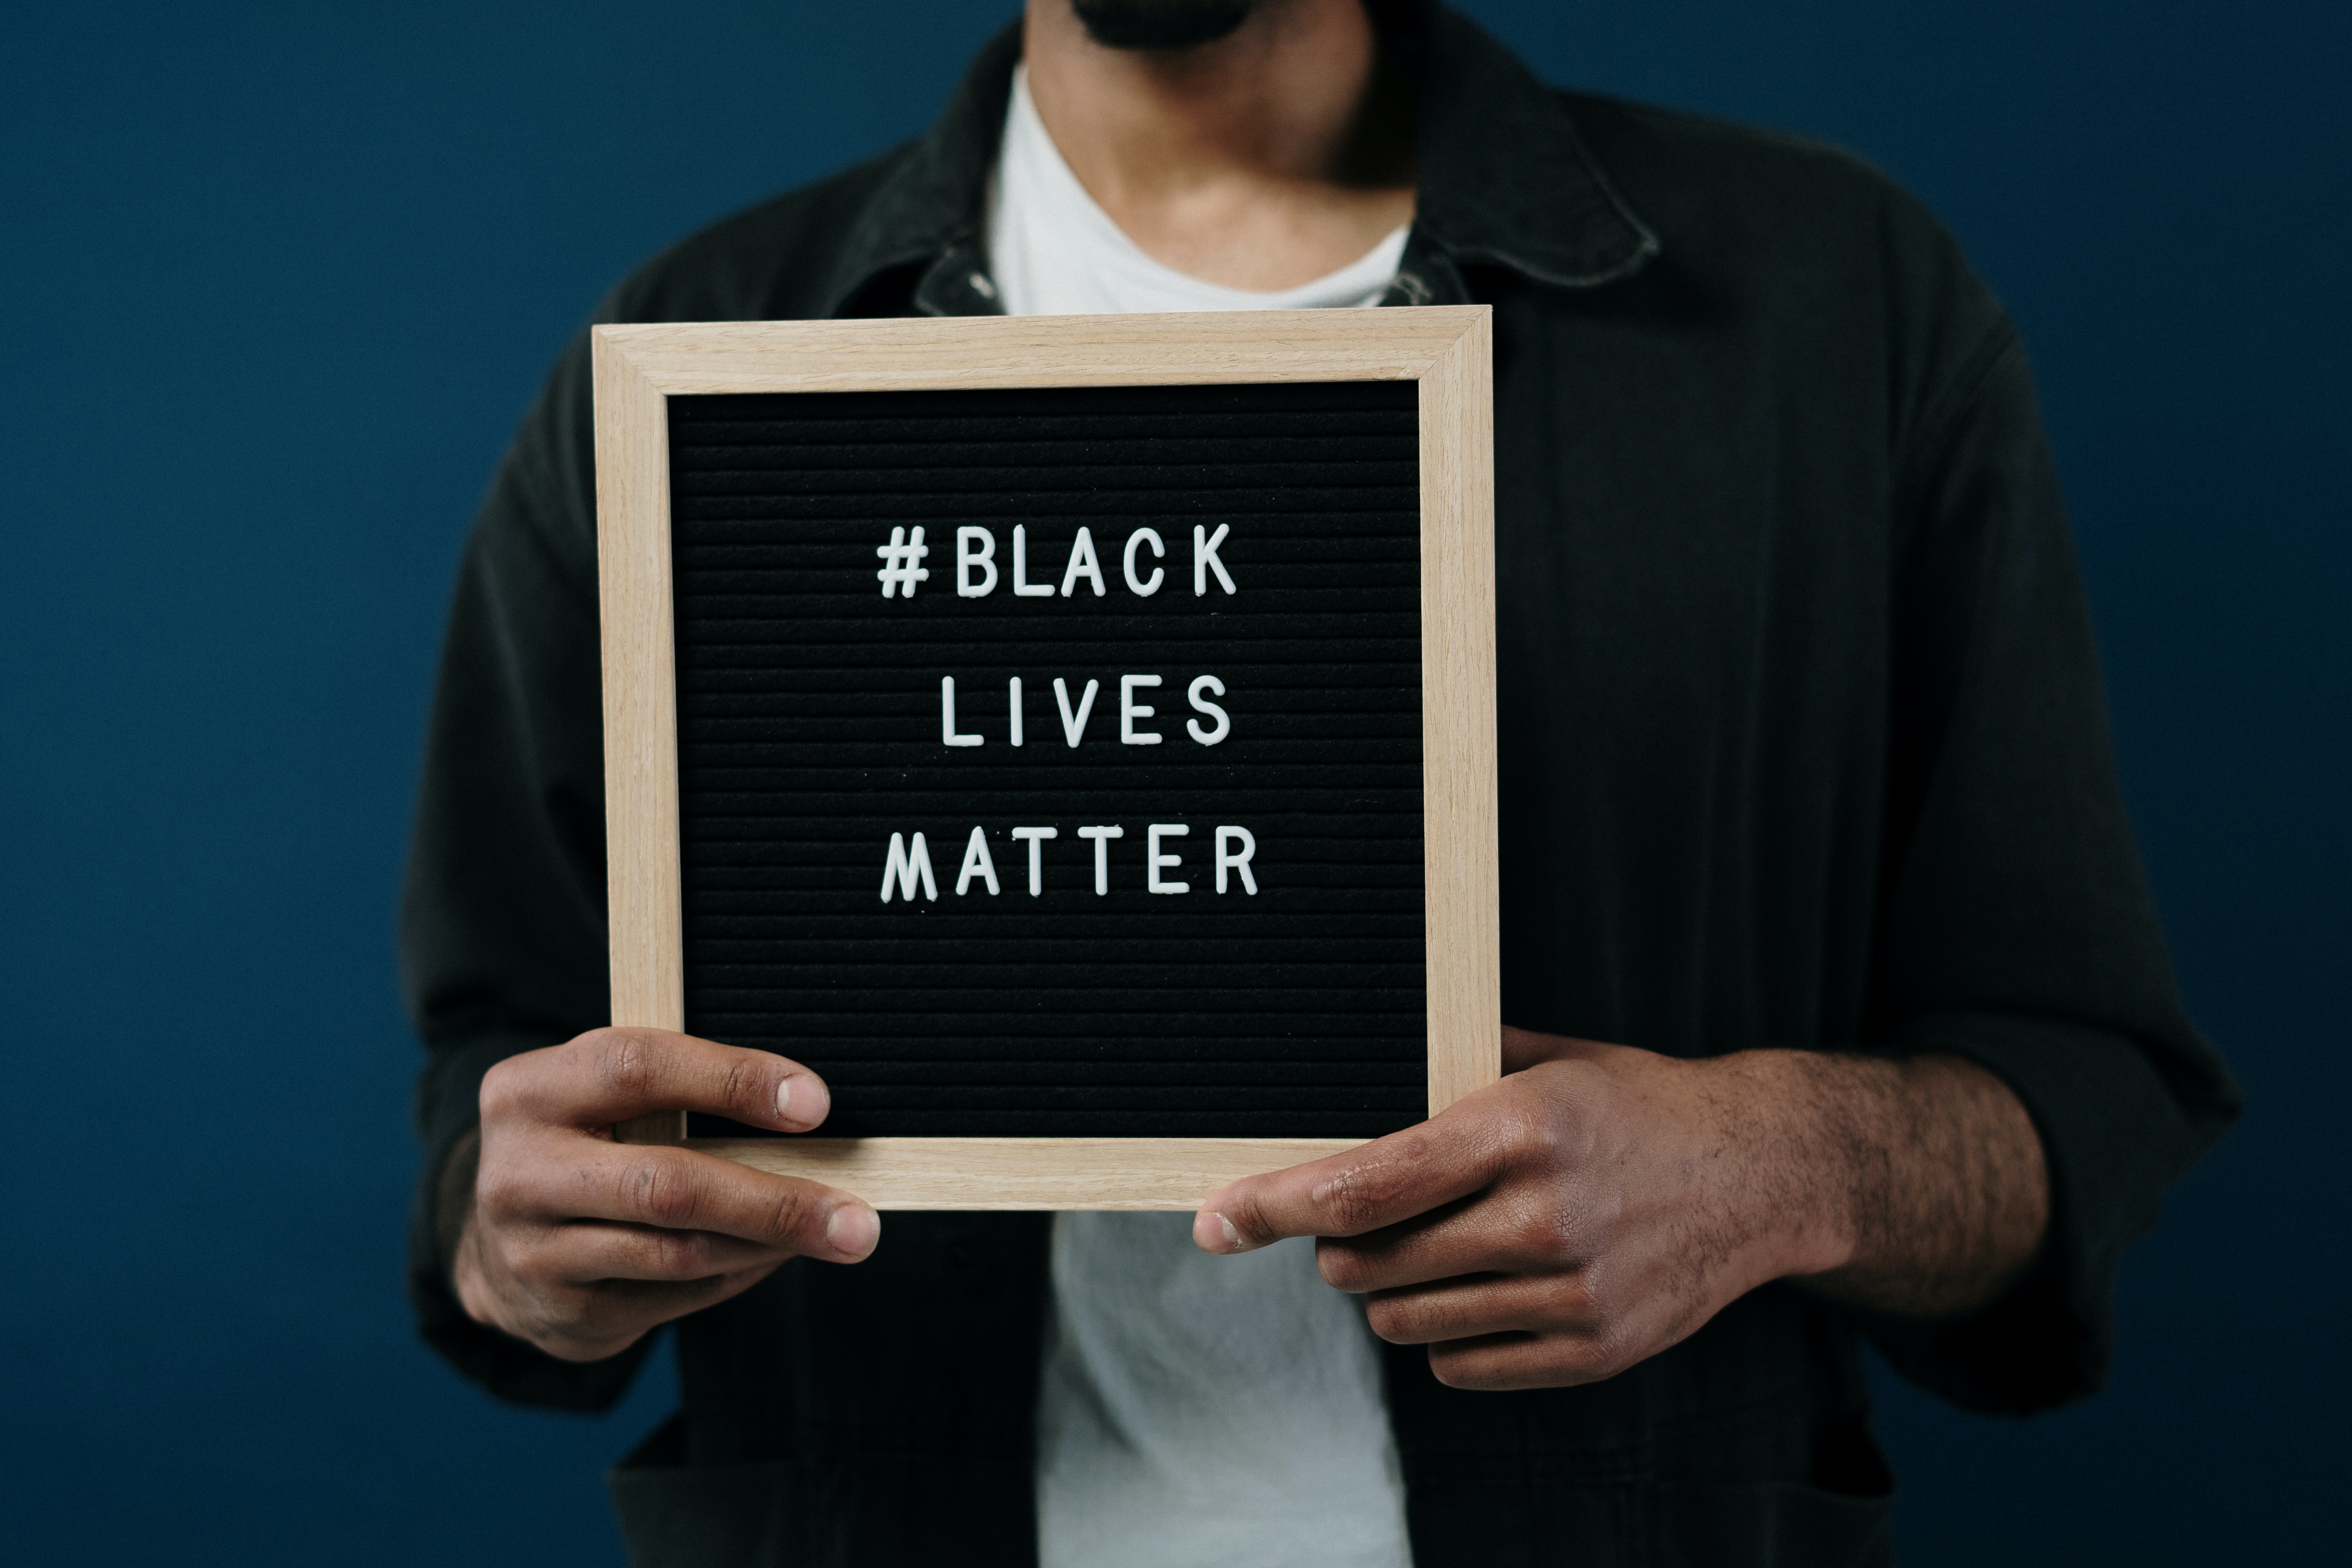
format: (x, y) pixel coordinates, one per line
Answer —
(579, 1245)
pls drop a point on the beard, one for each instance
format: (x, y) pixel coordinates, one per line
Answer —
(1160, 24)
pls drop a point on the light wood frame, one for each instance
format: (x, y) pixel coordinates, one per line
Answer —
(1446, 349)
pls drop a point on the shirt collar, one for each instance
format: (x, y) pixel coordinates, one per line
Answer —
(1505, 181)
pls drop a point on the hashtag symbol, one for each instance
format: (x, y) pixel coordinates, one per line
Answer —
(898, 558)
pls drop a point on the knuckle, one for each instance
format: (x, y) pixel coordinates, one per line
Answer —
(680, 1255)
(625, 1066)
(793, 1219)
(571, 1317)
(1601, 1294)
(1577, 1359)
(500, 1191)
(746, 1078)
(1603, 1362)
(1348, 1208)
(528, 1263)
(1245, 1210)
(1538, 1238)
(502, 1089)
(1525, 1135)
(1572, 1304)
(1593, 1356)
(1350, 1201)
(658, 1192)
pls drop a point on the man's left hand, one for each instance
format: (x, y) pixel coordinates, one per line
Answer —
(1600, 1203)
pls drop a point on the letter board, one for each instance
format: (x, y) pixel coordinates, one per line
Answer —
(1071, 737)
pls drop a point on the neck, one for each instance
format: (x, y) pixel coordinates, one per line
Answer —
(1264, 160)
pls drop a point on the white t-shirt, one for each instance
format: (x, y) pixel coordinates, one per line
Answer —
(1195, 1411)
(1053, 251)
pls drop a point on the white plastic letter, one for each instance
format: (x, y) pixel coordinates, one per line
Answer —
(1083, 564)
(1074, 725)
(967, 558)
(1129, 712)
(1193, 726)
(1021, 587)
(1016, 708)
(1102, 837)
(976, 863)
(903, 870)
(948, 735)
(1036, 835)
(1204, 558)
(1136, 584)
(1240, 862)
(1153, 859)
(899, 562)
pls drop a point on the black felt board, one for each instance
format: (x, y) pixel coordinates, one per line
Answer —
(809, 731)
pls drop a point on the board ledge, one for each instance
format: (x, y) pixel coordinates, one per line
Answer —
(1130, 1174)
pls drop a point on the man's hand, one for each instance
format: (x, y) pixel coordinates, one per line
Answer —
(1601, 1202)
(581, 1245)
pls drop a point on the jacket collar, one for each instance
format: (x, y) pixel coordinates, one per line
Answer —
(1505, 181)
(926, 212)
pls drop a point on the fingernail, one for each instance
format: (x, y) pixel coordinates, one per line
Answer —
(852, 1230)
(802, 1100)
(1227, 1234)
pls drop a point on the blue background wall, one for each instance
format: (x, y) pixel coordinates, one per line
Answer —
(279, 280)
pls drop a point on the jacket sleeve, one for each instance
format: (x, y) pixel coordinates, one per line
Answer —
(2018, 931)
(502, 921)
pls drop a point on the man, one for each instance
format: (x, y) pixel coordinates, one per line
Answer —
(1807, 812)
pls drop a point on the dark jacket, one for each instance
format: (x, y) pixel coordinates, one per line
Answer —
(1801, 745)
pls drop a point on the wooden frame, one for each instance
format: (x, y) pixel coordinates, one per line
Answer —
(1446, 350)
